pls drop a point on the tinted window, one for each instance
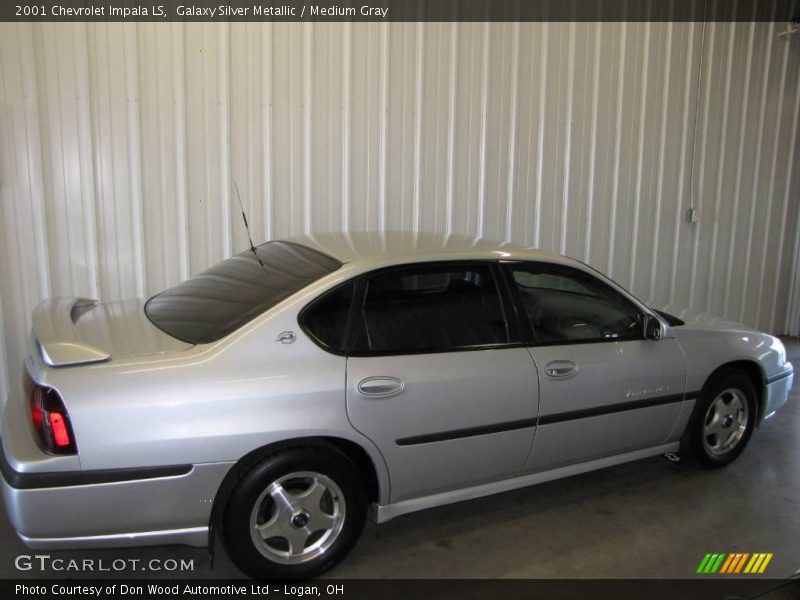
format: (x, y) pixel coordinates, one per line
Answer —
(325, 320)
(548, 281)
(430, 309)
(567, 305)
(218, 301)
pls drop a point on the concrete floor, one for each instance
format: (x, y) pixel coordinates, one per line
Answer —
(649, 519)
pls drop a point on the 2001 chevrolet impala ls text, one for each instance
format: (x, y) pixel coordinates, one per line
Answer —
(282, 395)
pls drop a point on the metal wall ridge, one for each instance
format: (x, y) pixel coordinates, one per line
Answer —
(120, 143)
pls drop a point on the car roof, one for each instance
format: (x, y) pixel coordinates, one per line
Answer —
(373, 248)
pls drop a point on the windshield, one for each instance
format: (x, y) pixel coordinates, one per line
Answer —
(220, 300)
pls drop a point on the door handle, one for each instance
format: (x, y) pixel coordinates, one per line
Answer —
(380, 386)
(559, 369)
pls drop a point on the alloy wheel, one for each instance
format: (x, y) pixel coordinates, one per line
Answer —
(298, 517)
(725, 422)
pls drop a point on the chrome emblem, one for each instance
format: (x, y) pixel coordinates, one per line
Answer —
(660, 389)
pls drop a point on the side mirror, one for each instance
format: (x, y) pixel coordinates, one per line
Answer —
(652, 328)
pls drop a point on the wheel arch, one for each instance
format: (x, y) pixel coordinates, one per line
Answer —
(753, 371)
(352, 450)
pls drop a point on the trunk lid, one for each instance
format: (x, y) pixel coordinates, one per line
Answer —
(75, 331)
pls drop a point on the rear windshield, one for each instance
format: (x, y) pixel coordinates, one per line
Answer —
(218, 301)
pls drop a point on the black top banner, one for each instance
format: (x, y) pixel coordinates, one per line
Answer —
(400, 10)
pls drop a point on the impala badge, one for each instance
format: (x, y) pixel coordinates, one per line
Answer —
(660, 389)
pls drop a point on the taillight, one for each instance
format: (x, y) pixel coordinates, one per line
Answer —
(50, 421)
(58, 427)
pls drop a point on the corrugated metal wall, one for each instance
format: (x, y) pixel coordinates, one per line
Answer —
(119, 145)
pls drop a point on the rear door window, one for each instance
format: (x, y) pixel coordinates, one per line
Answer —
(430, 309)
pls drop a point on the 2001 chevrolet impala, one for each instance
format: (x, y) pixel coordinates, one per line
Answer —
(283, 394)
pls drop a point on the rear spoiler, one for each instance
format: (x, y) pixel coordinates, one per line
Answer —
(55, 332)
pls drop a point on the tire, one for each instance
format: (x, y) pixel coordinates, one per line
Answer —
(723, 420)
(294, 514)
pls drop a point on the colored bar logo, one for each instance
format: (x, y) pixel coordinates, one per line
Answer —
(736, 562)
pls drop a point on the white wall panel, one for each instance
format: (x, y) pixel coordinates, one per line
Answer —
(120, 144)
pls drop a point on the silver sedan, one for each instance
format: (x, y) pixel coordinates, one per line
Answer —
(282, 396)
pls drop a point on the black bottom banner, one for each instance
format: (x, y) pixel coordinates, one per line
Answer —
(407, 589)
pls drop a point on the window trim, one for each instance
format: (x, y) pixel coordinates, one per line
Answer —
(527, 327)
(509, 311)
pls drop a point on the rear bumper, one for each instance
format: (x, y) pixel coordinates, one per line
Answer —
(777, 390)
(172, 509)
(51, 506)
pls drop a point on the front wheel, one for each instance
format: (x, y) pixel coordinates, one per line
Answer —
(294, 514)
(723, 420)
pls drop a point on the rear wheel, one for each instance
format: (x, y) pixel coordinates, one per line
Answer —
(723, 420)
(294, 514)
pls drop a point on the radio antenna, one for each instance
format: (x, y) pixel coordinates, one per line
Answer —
(247, 227)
